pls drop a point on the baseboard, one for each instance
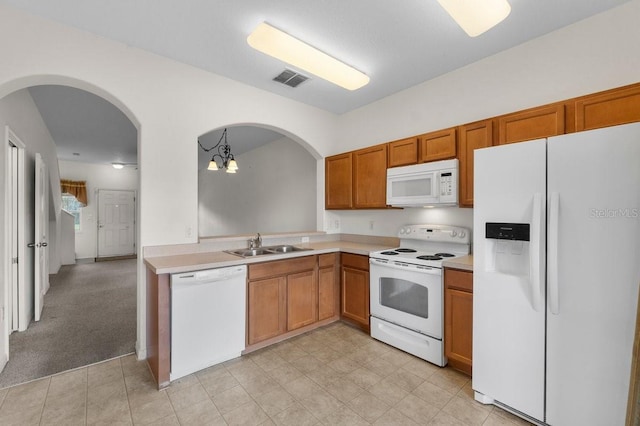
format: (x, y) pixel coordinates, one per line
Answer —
(106, 259)
(141, 353)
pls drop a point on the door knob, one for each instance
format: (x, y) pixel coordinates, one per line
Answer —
(44, 244)
(31, 245)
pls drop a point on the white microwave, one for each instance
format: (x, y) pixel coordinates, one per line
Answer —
(423, 185)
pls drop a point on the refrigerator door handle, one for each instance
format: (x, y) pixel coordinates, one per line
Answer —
(535, 254)
(554, 212)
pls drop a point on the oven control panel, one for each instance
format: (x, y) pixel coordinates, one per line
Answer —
(440, 233)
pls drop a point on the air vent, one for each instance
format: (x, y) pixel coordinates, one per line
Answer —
(290, 78)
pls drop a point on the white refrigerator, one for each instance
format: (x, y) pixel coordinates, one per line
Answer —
(556, 275)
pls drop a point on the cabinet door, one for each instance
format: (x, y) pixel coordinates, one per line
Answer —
(338, 181)
(458, 328)
(534, 123)
(610, 108)
(327, 293)
(302, 307)
(370, 177)
(472, 136)
(439, 145)
(403, 152)
(266, 309)
(355, 296)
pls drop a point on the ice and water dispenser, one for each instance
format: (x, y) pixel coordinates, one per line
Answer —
(507, 248)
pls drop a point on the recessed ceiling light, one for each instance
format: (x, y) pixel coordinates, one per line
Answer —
(117, 165)
(280, 45)
(476, 16)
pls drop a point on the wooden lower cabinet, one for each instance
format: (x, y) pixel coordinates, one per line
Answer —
(328, 286)
(289, 295)
(458, 318)
(302, 299)
(355, 290)
(267, 308)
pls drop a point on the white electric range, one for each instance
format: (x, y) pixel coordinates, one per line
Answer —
(407, 290)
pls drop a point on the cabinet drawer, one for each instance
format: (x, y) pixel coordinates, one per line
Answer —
(281, 267)
(461, 280)
(355, 261)
(326, 260)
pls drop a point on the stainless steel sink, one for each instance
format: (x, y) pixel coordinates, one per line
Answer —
(284, 249)
(246, 252)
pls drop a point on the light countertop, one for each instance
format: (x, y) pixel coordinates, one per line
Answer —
(179, 263)
(465, 263)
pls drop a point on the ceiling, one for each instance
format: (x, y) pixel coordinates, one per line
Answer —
(398, 44)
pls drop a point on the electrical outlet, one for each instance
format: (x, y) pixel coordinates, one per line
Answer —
(305, 239)
(187, 231)
(336, 224)
(371, 222)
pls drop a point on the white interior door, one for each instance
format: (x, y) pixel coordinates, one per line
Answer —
(116, 225)
(41, 275)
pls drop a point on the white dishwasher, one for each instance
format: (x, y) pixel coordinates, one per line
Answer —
(207, 318)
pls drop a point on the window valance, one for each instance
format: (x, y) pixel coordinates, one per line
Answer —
(77, 188)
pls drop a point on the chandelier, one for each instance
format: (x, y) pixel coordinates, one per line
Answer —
(223, 159)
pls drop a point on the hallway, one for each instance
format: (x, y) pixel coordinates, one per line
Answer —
(89, 316)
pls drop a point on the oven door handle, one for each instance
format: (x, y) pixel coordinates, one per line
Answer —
(405, 266)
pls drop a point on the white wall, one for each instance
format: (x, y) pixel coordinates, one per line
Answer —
(273, 191)
(171, 104)
(97, 176)
(19, 112)
(596, 54)
(67, 239)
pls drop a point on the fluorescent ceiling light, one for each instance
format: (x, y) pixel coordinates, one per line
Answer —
(476, 16)
(117, 165)
(274, 42)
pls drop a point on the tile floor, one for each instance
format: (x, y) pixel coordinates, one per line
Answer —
(335, 375)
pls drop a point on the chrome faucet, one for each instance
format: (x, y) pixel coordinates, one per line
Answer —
(255, 242)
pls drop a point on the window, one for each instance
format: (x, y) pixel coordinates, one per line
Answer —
(73, 206)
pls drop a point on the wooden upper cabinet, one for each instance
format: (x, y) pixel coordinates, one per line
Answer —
(533, 123)
(471, 137)
(338, 186)
(610, 108)
(370, 177)
(403, 152)
(440, 145)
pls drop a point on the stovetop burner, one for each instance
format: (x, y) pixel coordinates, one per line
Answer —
(405, 250)
(445, 254)
(390, 253)
(429, 257)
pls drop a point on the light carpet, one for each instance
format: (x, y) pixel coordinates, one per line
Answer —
(89, 316)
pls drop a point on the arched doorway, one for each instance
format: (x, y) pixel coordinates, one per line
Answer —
(18, 99)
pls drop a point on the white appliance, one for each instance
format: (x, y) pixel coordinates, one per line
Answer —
(406, 294)
(207, 318)
(556, 275)
(421, 185)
